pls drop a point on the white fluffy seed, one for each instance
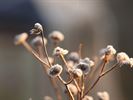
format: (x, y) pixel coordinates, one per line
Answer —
(57, 51)
(103, 95)
(122, 58)
(88, 98)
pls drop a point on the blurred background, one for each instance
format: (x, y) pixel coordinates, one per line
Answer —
(95, 23)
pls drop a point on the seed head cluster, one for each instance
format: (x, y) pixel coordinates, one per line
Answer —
(70, 70)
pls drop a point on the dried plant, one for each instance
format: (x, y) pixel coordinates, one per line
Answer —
(77, 68)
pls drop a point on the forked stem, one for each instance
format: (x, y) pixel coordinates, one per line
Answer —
(28, 47)
(94, 84)
(66, 85)
(100, 76)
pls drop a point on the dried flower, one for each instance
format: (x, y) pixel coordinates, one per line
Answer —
(74, 56)
(122, 58)
(58, 51)
(108, 53)
(47, 98)
(103, 95)
(88, 98)
(131, 62)
(20, 38)
(73, 89)
(37, 29)
(77, 73)
(84, 67)
(55, 70)
(109, 50)
(56, 36)
(37, 41)
(87, 61)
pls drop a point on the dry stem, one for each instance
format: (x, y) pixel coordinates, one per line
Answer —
(28, 47)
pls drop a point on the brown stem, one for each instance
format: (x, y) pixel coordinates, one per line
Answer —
(80, 50)
(27, 46)
(82, 87)
(113, 67)
(100, 76)
(63, 59)
(94, 84)
(52, 81)
(45, 49)
(67, 88)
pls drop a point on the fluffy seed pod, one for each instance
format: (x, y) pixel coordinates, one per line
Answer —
(88, 98)
(87, 61)
(72, 88)
(37, 29)
(103, 95)
(47, 98)
(57, 51)
(56, 36)
(108, 53)
(77, 73)
(20, 38)
(74, 56)
(122, 58)
(37, 41)
(55, 70)
(131, 62)
(84, 67)
(109, 50)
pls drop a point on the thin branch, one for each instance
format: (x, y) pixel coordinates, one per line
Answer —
(94, 84)
(28, 47)
(114, 66)
(52, 81)
(45, 49)
(66, 85)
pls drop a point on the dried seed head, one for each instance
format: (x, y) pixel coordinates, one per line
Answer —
(47, 98)
(58, 51)
(37, 29)
(37, 41)
(108, 53)
(56, 36)
(84, 67)
(74, 56)
(88, 98)
(109, 50)
(131, 62)
(20, 38)
(55, 70)
(87, 61)
(77, 73)
(122, 58)
(73, 89)
(103, 95)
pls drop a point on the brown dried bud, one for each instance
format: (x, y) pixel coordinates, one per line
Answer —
(20, 38)
(56, 36)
